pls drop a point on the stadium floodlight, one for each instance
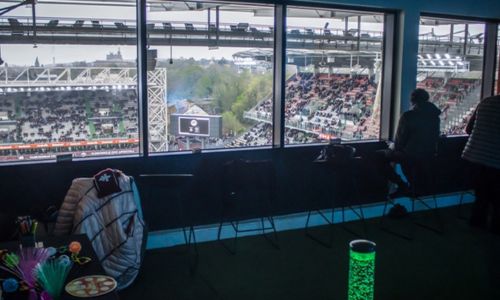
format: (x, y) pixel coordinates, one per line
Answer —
(460, 63)
(438, 56)
(447, 56)
(458, 57)
(441, 62)
(21, 89)
(433, 63)
(9, 90)
(424, 62)
(420, 56)
(428, 56)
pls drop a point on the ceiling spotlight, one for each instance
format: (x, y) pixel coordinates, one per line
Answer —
(428, 56)
(447, 56)
(438, 56)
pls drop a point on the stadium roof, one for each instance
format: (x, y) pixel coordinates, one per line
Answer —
(265, 53)
(159, 5)
(294, 12)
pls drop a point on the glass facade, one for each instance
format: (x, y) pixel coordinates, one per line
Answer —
(334, 73)
(450, 65)
(216, 65)
(68, 84)
(68, 81)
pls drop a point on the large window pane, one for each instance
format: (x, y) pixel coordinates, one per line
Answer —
(68, 87)
(334, 72)
(450, 63)
(210, 85)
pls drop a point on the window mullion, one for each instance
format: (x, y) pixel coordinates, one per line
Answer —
(142, 78)
(279, 76)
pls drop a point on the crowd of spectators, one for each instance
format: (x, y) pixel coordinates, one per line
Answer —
(68, 116)
(454, 98)
(334, 104)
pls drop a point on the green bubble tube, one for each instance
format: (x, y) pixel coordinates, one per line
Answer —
(361, 270)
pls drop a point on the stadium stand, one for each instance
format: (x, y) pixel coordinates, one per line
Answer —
(456, 97)
(67, 116)
(336, 105)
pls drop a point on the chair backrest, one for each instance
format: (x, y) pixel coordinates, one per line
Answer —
(248, 188)
(240, 175)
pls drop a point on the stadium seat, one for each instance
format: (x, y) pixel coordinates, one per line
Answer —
(16, 26)
(96, 24)
(53, 23)
(242, 26)
(120, 25)
(167, 26)
(78, 23)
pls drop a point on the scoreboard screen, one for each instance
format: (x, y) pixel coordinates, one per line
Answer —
(194, 126)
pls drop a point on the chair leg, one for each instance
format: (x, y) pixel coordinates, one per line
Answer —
(192, 241)
(274, 242)
(438, 228)
(461, 204)
(329, 223)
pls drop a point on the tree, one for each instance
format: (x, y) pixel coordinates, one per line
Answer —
(230, 123)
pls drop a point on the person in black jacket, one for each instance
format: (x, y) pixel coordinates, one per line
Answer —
(416, 139)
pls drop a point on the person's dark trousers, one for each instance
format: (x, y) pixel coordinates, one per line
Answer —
(385, 160)
(487, 190)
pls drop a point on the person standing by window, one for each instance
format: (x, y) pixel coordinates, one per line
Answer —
(416, 138)
(483, 151)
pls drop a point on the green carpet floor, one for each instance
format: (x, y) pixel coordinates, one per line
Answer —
(461, 263)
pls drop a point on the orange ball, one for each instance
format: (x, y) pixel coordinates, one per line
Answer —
(75, 247)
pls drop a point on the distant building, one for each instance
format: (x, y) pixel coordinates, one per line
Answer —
(114, 56)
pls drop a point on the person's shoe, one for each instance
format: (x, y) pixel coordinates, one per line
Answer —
(401, 191)
(398, 211)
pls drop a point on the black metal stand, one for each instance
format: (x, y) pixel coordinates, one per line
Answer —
(237, 184)
(344, 169)
(461, 203)
(176, 181)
